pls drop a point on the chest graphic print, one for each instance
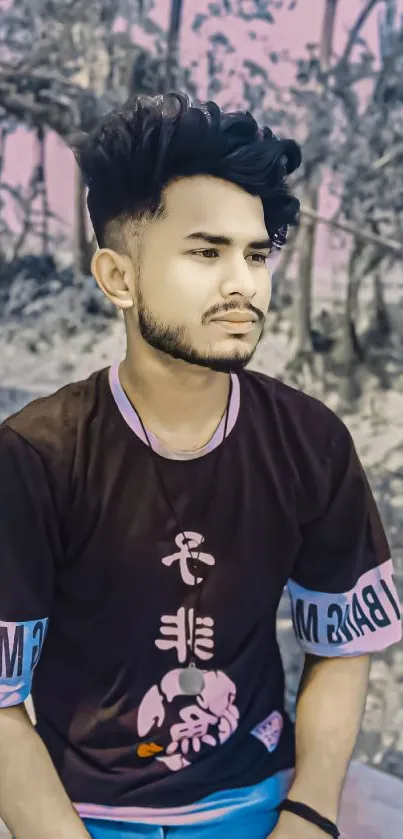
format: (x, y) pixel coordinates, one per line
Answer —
(196, 722)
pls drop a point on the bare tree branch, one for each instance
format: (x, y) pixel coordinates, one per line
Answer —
(356, 232)
(388, 157)
(66, 110)
(354, 33)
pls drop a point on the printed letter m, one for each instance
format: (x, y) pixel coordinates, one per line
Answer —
(307, 629)
(11, 661)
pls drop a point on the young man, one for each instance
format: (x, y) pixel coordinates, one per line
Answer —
(152, 515)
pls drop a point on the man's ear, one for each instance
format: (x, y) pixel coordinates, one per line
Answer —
(114, 274)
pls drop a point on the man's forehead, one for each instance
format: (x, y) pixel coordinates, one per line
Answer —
(219, 207)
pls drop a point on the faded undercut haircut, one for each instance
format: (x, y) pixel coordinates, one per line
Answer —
(134, 153)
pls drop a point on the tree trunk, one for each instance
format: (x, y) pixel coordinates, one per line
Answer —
(346, 351)
(347, 354)
(382, 324)
(42, 189)
(172, 61)
(327, 34)
(379, 335)
(280, 274)
(3, 141)
(83, 249)
(302, 344)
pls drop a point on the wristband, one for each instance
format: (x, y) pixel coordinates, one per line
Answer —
(310, 815)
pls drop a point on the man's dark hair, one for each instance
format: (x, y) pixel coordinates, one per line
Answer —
(134, 153)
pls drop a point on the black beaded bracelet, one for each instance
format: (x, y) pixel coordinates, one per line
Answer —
(310, 815)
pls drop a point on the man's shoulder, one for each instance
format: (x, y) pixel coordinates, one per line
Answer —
(50, 424)
(297, 410)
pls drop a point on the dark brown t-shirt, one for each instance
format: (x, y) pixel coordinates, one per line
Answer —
(95, 584)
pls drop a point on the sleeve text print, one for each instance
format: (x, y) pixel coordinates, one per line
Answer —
(361, 620)
(20, 649)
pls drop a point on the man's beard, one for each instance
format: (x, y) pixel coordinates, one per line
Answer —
(172, 340)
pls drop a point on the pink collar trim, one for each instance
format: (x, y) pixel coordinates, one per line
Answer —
(131, 418)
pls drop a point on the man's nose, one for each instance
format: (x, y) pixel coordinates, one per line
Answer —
(239, 279)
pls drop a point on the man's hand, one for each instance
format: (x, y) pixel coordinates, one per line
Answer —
(290, 826)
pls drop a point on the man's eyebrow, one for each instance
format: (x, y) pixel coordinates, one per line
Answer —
(213, 239)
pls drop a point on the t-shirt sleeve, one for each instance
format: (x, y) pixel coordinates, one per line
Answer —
(28, 541)
(343, 596)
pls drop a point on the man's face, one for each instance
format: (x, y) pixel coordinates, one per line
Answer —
(204, 300)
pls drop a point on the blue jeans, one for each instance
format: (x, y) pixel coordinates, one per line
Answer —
(244, 813)
(251, 825)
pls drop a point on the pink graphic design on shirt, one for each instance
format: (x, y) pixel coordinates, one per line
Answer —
(269, 731)
(209, 718)
(189, 548)
(184, 723)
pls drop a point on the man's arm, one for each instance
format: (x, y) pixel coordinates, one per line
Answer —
(33, 802)
(330, 707)
(345, 607)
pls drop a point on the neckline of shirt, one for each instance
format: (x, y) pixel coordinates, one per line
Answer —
(132, 419)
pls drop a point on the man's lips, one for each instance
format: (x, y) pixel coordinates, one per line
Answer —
(236, 317)
(235, 327)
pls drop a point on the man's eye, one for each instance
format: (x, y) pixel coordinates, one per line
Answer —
(260, 257)
(206, 252)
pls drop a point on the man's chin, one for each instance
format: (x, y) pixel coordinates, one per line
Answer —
(222, 363)
(228, 365)
(219, 362)
(230, 362)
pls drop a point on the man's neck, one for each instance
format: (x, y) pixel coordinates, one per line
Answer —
(182, 404)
